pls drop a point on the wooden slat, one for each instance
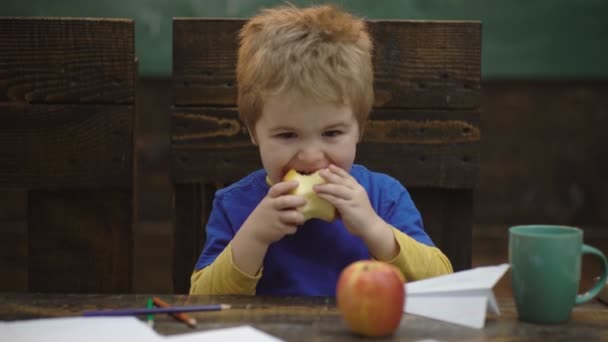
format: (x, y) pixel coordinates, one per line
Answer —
(426, 64)
(52, 146)
(448, 219)
(438, 149)
(80, 241)
(418, 64)
(204, 61)
(188, 234)
(432, 148)
(192, 207)
(62, 60)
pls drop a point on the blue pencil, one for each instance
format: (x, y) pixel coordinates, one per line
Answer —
(153, 311)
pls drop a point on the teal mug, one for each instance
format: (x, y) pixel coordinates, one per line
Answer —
(546, 270)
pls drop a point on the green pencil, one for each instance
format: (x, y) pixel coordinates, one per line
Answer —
(150, 316)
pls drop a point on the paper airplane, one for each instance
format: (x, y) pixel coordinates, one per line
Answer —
(461, 298)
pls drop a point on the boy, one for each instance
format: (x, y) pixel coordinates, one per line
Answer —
(304, 92)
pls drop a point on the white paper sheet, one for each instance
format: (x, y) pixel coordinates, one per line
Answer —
(115, 329)
(461, 298)
(80, 329)
(6, 333)
(242, 333)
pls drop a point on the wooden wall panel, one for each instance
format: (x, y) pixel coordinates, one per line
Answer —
(507, 171)
(543, 155)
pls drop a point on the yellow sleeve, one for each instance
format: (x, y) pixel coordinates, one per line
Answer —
(223, 277)
(417, 260)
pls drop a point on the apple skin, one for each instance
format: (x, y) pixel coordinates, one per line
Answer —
(315, 206)
(370, 296)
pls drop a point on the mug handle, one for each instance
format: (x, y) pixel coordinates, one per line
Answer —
(599, 285)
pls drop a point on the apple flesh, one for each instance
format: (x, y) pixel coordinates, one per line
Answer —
(315, 206)
(370, 296)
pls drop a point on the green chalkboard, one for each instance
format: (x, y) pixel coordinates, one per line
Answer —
(543, 39)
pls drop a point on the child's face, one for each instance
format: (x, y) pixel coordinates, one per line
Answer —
(296, 133)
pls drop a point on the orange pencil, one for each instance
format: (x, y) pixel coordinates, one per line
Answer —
(180, 316)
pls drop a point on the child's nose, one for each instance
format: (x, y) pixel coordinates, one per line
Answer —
(310, 154)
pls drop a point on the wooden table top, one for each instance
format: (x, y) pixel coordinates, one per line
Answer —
(310, 319)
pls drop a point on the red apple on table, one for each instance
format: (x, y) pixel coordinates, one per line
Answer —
(370, 295)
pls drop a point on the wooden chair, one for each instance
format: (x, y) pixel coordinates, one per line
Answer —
(67, 108)
(424, 128)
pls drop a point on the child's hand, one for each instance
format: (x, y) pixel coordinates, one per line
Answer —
(350, 199)
(276, 215)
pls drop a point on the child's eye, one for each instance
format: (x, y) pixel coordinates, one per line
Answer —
(332, 133)
(286, 135)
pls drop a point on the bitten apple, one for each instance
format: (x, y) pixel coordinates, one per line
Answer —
(370, 295)
(315, 207)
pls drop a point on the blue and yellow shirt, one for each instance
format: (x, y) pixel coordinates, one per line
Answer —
(309, 262)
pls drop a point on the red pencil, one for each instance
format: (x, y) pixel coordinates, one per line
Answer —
(180, 316)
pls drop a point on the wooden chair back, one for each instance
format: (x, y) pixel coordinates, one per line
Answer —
(67, 106)
(424, 129)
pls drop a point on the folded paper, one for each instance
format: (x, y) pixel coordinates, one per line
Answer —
(462, 298)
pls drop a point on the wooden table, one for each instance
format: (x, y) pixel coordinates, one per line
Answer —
(311, 319)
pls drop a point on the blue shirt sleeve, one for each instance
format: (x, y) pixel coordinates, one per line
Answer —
(218, 234)
(398, 210)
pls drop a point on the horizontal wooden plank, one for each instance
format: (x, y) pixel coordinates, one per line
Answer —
(425, 149)
(418, 64)
(56, 146)
(63, 60)
(452, 166)
(204, 61)
(427, 64)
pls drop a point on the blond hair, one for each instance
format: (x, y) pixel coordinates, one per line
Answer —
(320, 52)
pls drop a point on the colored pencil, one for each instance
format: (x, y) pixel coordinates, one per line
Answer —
(155, 311)
(150, 317)
(180, 316)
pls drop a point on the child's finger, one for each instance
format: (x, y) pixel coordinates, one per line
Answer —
(332, 198)
(292, 217)
(282, 188)
(338, 178)
(337, 191)
(288, 201)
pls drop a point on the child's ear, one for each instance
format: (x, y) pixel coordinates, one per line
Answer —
(360, 134)
(252, 137)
